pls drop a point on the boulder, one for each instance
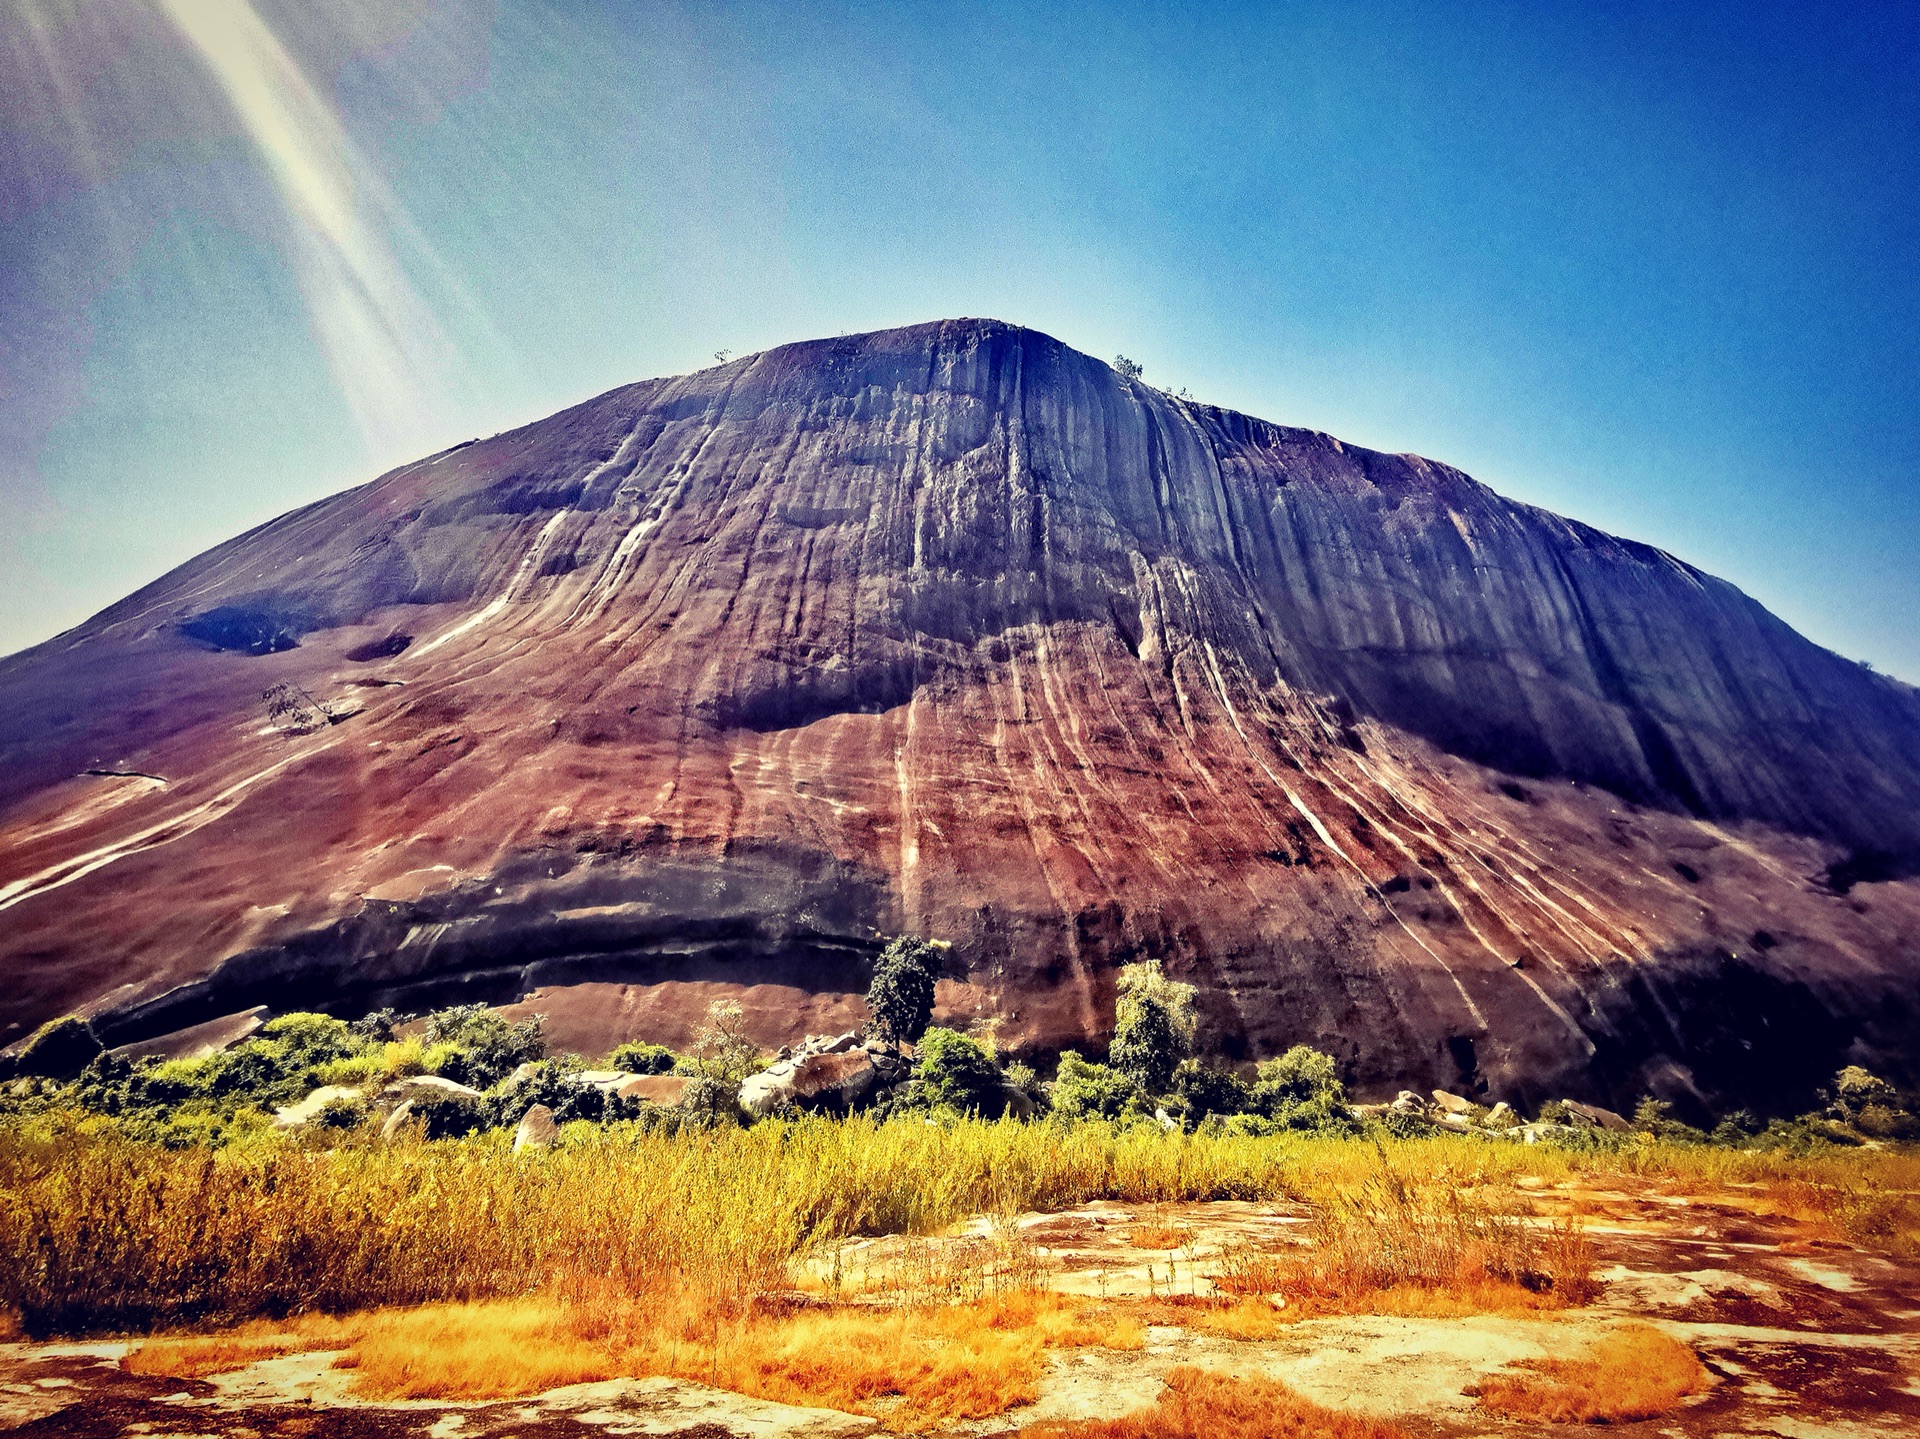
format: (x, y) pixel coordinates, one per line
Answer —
(1602, 1118)
(414, 1085)
(292, 1116)
(838, 1079)
(58, 1049)
(1407, 1102)
(396, 1120)
(762, 1093)
(538, 1130)
(1452, 1103)
(1537, 1133)
(1501, 1116)
(661, 1089)
(600, 1078)
(840, 1044)
(1019, 1104)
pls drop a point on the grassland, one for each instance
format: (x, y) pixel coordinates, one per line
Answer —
(102, 1233)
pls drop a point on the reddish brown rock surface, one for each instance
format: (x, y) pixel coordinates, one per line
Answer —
(706, 683)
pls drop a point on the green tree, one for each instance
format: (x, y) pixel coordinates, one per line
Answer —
(957, 1072)
(1301, 1090)
(1154, 1026)
(1128, 369)
(1082, 1090)
(901, 995)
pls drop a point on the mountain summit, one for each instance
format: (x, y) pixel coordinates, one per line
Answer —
(709, 683)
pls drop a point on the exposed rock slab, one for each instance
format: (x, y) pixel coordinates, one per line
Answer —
(710, 682)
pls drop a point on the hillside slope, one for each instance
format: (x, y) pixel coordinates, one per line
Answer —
(703, 684)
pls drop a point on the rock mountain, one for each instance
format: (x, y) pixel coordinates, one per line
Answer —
(707, 684)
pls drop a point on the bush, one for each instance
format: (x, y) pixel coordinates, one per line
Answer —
(58, 1049)
(449, 1116)
(901, 994)
(485, 1048)
(956, 1072)
(637, 1057)
(1089, 1091)
(1153, 1028)
(1206, 1091)
(1301, 1090)
(1655, 1117)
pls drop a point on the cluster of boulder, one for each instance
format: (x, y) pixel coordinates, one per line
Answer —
(1446, 1110)
(830, 1074)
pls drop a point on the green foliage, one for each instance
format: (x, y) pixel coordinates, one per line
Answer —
(449, 1116)
(551, 1083)
(486, 1049)
(1128, 369)
(1301, 1090)
(1021, 1078)
(1089, 1091)
(1655, 1117)
(1205, 1091)
(956, 1072)
(901, 994)
(637, 1057)
(58, 1049)
(1154, 1025)
(709, 1101)
(1809, 1134)
(1870, 1105)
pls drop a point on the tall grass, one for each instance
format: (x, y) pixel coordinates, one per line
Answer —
(98, 1232)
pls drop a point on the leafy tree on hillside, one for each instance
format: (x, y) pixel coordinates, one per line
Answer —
(639, 1057)
(1128, 369)
(1154, 1028)
(901, 995)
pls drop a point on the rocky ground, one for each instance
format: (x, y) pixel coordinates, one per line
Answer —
(1805, 1337)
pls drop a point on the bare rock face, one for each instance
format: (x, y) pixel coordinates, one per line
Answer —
(706, 685)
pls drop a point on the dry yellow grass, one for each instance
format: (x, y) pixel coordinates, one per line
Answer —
(1206, 1404)
(101, 1233)
(1390, 1247)
(916, 1366)
(1635, 1373)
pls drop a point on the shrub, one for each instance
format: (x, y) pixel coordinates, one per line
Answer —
(1206, 1091)
(637, 1057)
(1154, 1024)
(1655, 1117)
(58, 1049)
(551, 1083)
(449, 1116)
(1301, 1090)
(956, 1072)
(485, 1047)
(1089, 1091)
(901, 994)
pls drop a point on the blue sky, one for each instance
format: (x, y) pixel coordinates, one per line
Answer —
(1654, 266)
